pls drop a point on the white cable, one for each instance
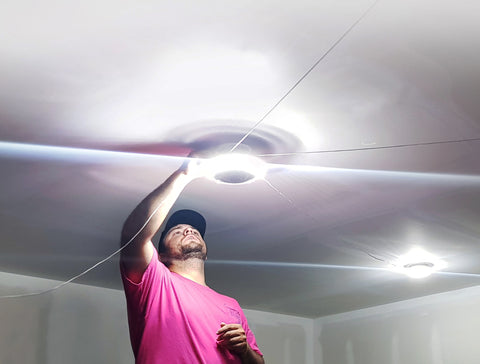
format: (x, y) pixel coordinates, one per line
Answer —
(89, 269)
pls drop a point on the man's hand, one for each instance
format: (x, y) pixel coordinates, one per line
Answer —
(233, 338)
(192, 166)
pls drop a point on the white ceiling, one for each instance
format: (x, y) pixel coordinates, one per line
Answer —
(83, 83)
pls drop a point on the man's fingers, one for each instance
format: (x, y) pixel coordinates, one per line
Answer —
(232, 337)
(228, 327)
(238, 344)
(236, 340)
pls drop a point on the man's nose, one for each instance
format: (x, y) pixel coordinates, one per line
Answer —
(187, 231)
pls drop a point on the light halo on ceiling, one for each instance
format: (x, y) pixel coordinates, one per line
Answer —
(234, 168)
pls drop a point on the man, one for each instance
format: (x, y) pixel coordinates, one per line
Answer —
(173, 316)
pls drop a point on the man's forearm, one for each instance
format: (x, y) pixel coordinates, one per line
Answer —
(160, 199)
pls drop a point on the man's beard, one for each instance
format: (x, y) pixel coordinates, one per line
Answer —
(192, 251)
(189, 251)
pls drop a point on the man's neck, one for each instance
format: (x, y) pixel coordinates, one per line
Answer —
(193, 269)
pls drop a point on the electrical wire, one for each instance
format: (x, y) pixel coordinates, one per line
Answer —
(315, 221)
(371, 148)
(364, 14)
(89, 269)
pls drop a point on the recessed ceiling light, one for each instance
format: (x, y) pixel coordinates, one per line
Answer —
(234, 168)
(418, 263)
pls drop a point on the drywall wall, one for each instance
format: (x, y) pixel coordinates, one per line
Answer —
(84, 324)
(283, 338)
(74, 324)
(437, 329)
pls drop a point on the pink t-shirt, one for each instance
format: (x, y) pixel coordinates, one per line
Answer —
(173, 319)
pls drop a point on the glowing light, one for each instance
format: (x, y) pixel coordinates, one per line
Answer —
(235, 168)
(418, 263)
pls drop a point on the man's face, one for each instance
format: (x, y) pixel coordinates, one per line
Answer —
(183, 242)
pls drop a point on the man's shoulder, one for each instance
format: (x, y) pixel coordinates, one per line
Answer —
(226, 299)
(154, 269)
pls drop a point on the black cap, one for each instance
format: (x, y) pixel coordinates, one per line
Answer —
(189, 217)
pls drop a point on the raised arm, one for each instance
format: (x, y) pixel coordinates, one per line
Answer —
(136, 256)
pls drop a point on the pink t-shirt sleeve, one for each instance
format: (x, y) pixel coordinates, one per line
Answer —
(139, 298)
(250, 337)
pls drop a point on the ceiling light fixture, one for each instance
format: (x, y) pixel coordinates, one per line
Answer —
(418, 263)
(233, 168)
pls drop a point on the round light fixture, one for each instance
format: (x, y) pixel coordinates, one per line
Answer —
(418, 263)
(234, 168)
(419, 270)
